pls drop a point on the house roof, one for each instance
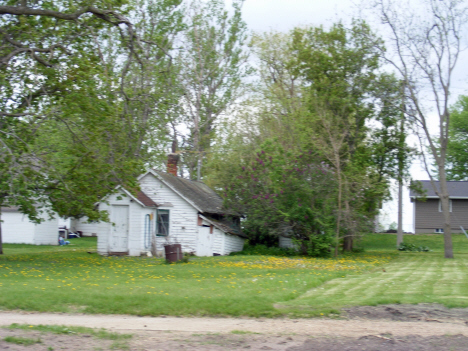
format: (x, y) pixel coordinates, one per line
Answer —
(145, 200)
(10, 208)
(200, 195)
(140, 197)
(225, 226)
(456, 190)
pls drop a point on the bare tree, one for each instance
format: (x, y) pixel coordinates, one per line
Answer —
(212, 66)
(426, 41)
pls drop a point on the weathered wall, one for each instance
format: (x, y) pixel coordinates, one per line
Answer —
(233, 243)
(183, 217)
(136, 216)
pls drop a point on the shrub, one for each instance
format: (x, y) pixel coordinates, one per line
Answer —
(413, 247)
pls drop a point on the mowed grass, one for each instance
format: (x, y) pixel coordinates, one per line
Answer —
(387, 242)
(414, 277)
(69, 279)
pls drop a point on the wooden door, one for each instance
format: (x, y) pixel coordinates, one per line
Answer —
(205, 242)
(119, 233)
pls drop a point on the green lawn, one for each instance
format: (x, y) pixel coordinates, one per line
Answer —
(70, 279)
(387, 242)
(414, 277)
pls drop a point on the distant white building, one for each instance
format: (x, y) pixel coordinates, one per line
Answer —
(18, 229)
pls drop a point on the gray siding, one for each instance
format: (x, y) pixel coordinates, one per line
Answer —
(428, 218)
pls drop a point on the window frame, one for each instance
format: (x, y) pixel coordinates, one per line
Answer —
(159, 220)
(450, 205)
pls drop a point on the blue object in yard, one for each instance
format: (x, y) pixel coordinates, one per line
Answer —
(62, 241)
(73, 235)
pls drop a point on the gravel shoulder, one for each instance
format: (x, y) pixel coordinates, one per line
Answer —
(387, 327)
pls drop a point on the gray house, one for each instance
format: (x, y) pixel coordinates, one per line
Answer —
(428, 217)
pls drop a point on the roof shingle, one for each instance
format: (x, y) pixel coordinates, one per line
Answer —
(456, 189)
(145, 200)
(200, 194)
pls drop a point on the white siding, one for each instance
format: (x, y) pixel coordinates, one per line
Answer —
(233, 243)
(136, 222)
(183, 222)
(46, 232)
(218, 241)
(18, 229)
(183, 216)
(146, 242)
(103, 230)
(224, 243)
(88, 229)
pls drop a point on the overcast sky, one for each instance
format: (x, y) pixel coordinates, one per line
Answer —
(284, 15)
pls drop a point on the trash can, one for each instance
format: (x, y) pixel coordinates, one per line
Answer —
(173, 252)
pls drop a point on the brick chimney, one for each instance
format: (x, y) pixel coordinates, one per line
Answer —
(172, 160)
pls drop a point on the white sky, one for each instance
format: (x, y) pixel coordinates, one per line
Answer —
(284, 15)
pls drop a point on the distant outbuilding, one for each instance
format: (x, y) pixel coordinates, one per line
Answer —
(428, 216)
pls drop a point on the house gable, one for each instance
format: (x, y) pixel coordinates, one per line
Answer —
(183, 214)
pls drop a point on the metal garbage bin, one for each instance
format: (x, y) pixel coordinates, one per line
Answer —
(173, 252)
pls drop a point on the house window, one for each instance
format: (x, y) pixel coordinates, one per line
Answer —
(440, 205)
(439, 230)
(162, 223)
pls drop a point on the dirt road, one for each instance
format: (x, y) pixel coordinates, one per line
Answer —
(397, 327)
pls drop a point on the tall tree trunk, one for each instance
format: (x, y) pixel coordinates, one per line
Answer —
(400, 212)
(445, 202)
(348, 239)
(338, 217)
(401, 169)
(199, 165)
(1, 239)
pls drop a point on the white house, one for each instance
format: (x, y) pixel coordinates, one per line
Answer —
(175, 210)
(18, 229)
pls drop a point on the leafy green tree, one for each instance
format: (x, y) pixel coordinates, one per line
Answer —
(69, 128)
(340, 69)
(285, 194)
(457, 159)
(322, 92)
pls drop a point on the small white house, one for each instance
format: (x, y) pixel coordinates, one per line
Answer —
(18, 229)
(174, 210)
